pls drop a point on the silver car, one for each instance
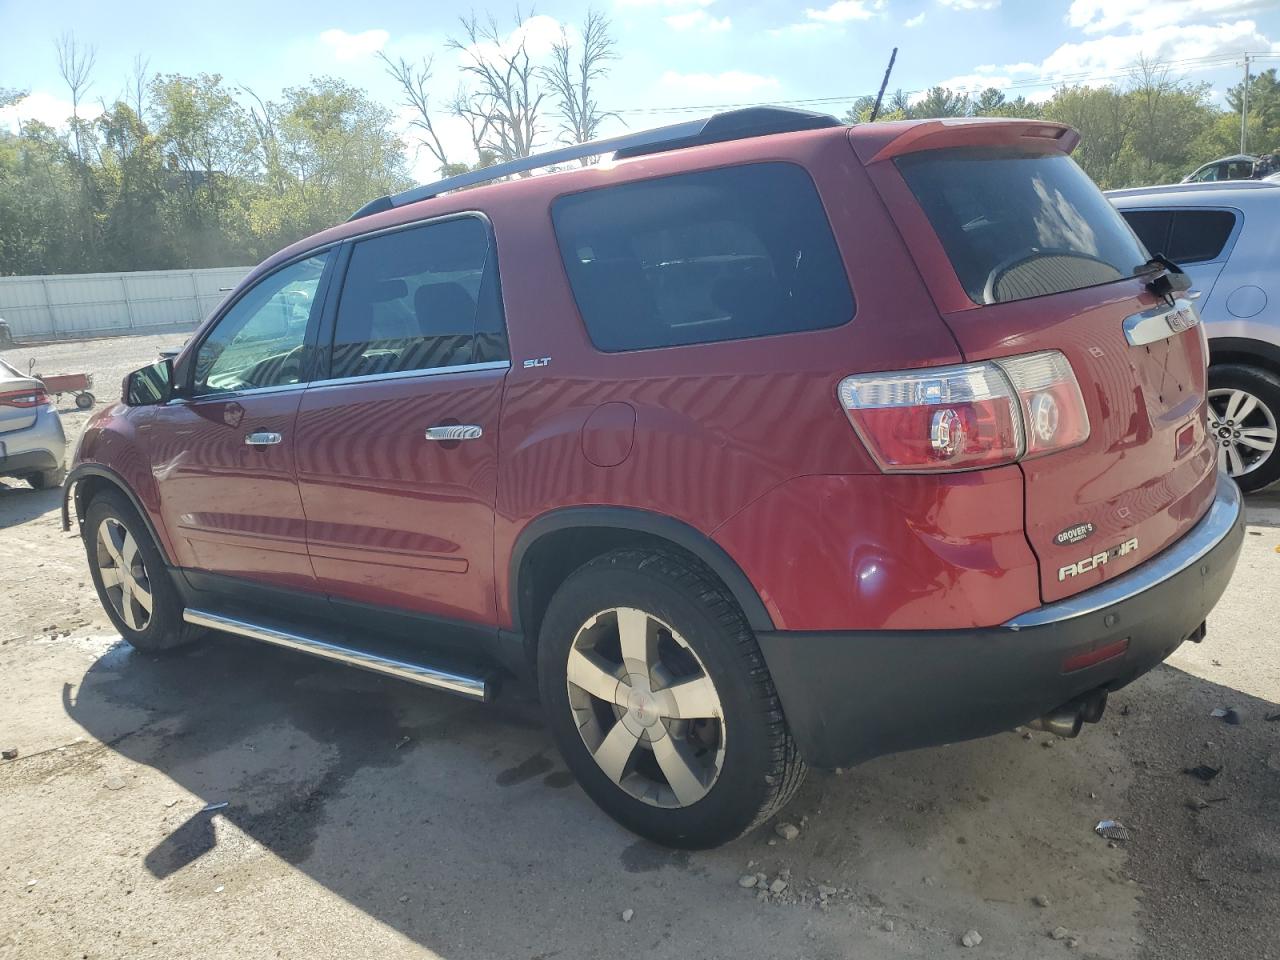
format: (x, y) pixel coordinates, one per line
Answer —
(1227, 238)
(32, 444)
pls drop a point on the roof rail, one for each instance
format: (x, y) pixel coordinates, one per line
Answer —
(731, 125)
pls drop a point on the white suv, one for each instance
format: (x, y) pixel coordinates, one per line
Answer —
(1227, 237)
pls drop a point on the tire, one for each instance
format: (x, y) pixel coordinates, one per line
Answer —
(47, 479)
(84, 400)
(1240, 454)
(110, 514)
(733, 771)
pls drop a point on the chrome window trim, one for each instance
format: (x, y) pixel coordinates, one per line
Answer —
(1214, 527)
(411, 374)
(234, 394)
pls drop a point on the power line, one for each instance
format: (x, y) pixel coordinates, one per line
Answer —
(1029, 83)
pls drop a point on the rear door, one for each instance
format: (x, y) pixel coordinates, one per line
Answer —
(398, 445)
(1039, 260)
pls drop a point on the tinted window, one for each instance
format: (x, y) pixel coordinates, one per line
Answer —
(418, 299)
(259, 342)
(1019, 225)
(722, 255)
(1151, 226)
(1199, 235)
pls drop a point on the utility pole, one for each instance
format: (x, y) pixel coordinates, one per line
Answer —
(1244, 108)
(875, 111)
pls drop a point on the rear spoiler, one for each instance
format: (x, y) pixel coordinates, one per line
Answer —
(885, 141)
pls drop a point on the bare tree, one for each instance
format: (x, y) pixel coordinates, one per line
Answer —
(75, 64)
(503, 108)
(574, 82)
(413, 79)
(136, 94)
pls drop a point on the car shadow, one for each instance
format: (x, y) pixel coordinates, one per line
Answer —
(456, 824)
(19, 503)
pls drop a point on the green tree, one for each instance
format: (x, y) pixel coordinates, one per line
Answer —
(942, 102)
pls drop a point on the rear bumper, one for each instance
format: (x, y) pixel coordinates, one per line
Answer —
(851, 696)
(38, 447)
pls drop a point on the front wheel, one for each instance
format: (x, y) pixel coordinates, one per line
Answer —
(129, 573)
(1244, 406)
(661, 703)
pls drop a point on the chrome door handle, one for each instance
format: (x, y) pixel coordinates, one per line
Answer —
(262, 439)
(456, 431)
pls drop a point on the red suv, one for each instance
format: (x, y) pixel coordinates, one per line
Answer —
(766, 442)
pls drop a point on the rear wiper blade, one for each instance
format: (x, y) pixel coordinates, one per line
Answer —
(1167, 278)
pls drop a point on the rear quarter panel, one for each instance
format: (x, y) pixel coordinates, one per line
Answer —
(716, 425)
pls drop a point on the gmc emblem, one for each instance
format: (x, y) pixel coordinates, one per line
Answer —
(1097, 560)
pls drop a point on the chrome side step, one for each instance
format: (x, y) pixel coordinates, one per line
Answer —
(474, 688)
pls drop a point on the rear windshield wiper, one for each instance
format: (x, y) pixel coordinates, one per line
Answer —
(1167, 278)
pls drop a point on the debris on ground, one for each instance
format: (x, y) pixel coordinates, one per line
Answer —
(1203, 772)
(1040, 900)
(1073, 942)
(787, 831)
(402, 742)
(777, 886)
(747, 880)
(114, 783)
(210, 807)
(627, 914)
(1196, 803)
(887, 926)
(9, 754)
(1060, 933)
(1231, 715)
(825, 891)
(1272, 717)
(1218, 712)
(971, 938)
(1112, 830)
(404, 898)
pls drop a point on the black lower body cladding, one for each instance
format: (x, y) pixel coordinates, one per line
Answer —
(851, 696)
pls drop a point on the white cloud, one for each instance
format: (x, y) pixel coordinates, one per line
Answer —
(698, 20)
(804, 29)
(1102, 16)
(538, 33)
(970, 4)
(914, 21)
(46, 107)
(1162, 42)
(354, 46)
(842, 11)
(729, 82)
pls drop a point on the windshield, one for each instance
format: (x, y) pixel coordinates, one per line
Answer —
(1018, 225)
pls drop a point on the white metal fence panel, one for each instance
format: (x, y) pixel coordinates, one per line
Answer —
(78, 305)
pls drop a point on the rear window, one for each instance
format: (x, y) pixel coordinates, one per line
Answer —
(723, 254)
(1018, 225)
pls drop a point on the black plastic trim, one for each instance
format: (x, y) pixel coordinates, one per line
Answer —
(851, 696)
(640, 521)
(106, 473)
(30, 461)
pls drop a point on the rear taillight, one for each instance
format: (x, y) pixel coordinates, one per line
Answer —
(967, 417)
(24, 398)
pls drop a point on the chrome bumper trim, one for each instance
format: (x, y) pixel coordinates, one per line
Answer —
(1212, 529)
(475, 688)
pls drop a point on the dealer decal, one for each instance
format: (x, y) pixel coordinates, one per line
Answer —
(1097, 560)
(1081, 531)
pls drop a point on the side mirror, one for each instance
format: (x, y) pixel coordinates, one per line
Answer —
(151, 385)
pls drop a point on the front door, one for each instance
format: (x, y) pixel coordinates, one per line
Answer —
(223, 451)
(397, 449)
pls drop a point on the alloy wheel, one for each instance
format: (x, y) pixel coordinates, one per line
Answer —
(645, 707)
(1243, 430)
(124, 575)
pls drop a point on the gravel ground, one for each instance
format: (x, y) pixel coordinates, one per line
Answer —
(366, 817)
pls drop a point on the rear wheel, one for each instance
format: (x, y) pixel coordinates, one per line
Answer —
(1244, 410)
(130, 576)
(47, 479)
(661, 703)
